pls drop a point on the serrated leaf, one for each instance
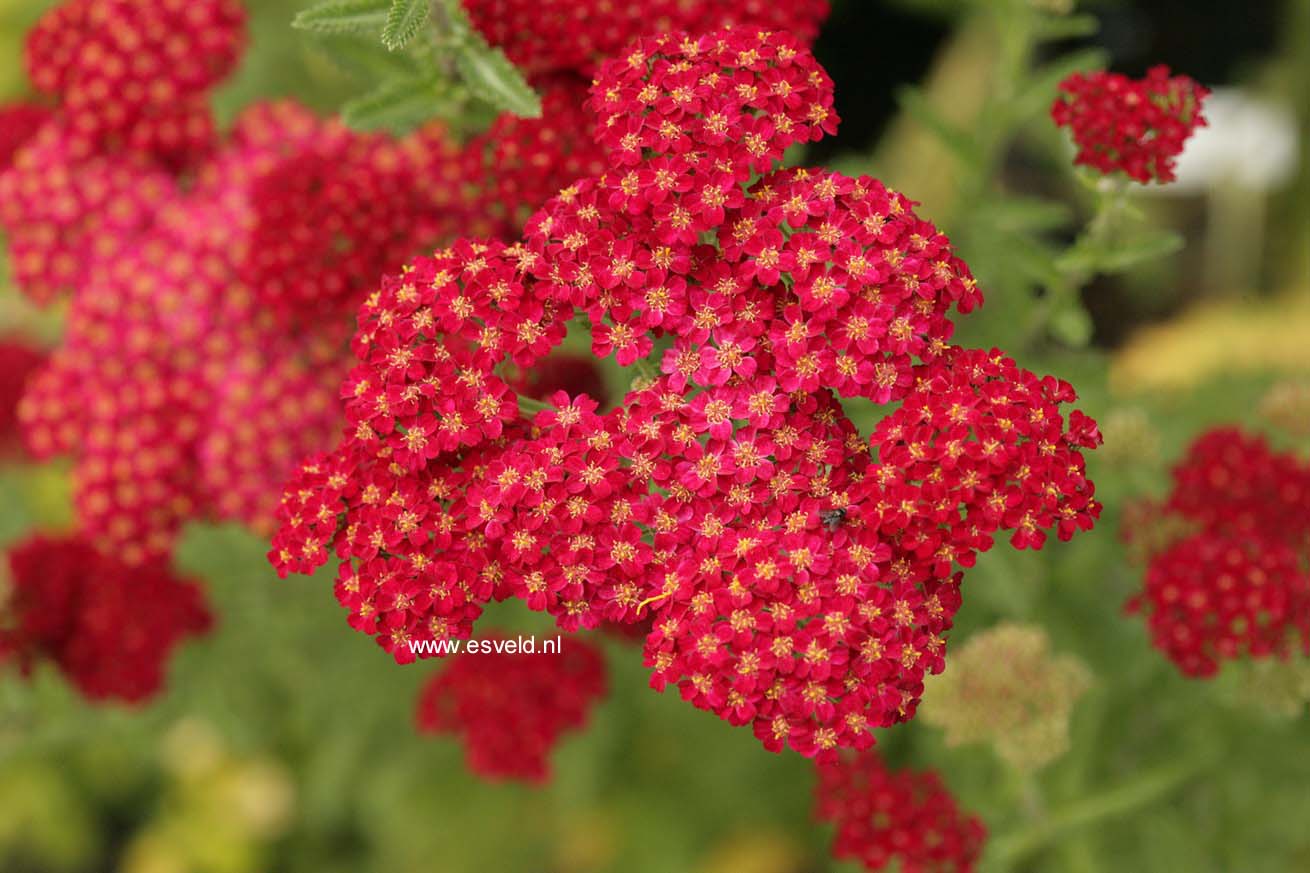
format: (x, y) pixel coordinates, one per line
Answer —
(491, 77)
(396, 105)
(404, 21)
(343, 16)
(366, 59)
(960, 142)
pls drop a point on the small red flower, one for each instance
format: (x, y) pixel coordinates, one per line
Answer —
(65, 210)
(1134, 126)
(885, 817)
(108, 627)
(510, 710)
(134, 73)
(1231, 582)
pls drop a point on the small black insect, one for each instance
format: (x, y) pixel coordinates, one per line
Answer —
(832, 518)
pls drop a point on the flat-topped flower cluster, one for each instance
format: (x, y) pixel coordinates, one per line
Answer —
(799, 576)
(1134, 126)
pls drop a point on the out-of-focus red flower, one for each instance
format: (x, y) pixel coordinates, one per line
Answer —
(193, 375)
(1232, 581)
(19, 122)
(65, 211)
(19, 358)
(510, 710)
(108, 627)
(523, 162)
(886, 817)
(1134, 126)
(133, 73)
(325, 211)
(572, 374)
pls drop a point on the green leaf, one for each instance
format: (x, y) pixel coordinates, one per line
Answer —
(1023, 214)
(1032, 258)
(404, 22)
(397, 105)
(960, 142)
(1116, 256)
(364, 59)
(454, 21)
(343, 16)
(491, 77)
(1072, 325)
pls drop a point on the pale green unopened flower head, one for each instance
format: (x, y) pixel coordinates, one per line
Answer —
(1004, 686)
(1287, 407)
(1130, 438)
(1279, 687)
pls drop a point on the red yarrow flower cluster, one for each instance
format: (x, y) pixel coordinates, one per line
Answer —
(193, 375)
(798, 577)
(108, 627)
(1134, 126)
(208, 330)
(1232, 581)
(134, 73)
(129, 80)
(64, 210)
(511, 710)
(549, 36)
(885, 817)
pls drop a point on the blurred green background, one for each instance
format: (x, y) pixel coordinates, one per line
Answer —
(285, 741)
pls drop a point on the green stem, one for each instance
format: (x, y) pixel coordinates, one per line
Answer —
(1074, 274)
(1010, 849)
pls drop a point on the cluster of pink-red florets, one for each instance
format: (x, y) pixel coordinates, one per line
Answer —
(133, 75)
(884, 817)
(1232, 581)
(201, 355)
(208, 321)
(107, 626)
(577, 35)
(510, 710)
(798, 576)
(211, 288)
(211, 278)
(1134, 126)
